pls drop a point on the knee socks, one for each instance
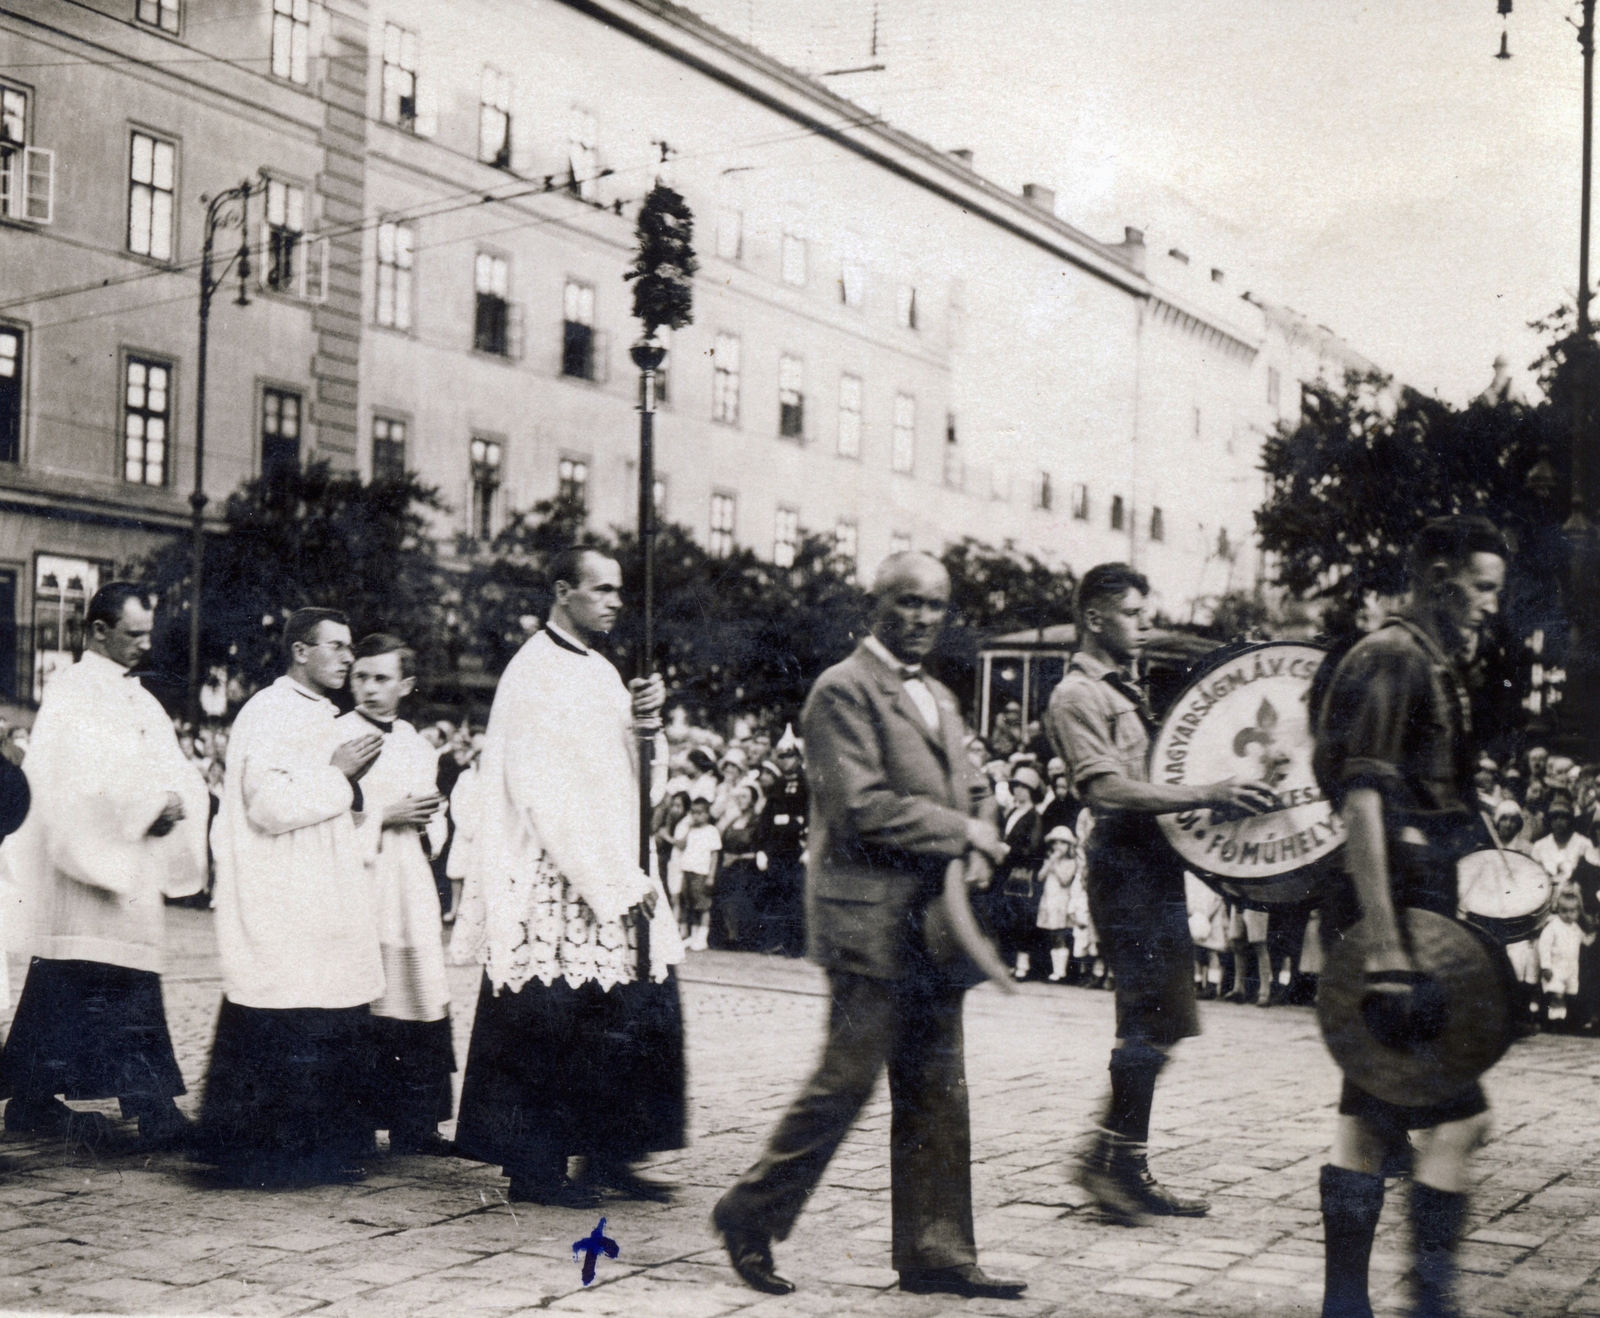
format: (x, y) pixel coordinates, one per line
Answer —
(1436, 1217)
(1351, 1205)
(1133, 1087)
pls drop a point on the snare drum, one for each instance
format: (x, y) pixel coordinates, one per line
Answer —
(1504, 893)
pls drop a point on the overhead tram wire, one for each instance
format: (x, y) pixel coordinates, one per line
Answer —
(529, 187)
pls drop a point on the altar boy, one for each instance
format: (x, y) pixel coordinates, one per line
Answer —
(411, 1021)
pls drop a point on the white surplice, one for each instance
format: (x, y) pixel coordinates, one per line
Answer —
(297, 920)
(554, 864)
(415, 987)
(86, 877)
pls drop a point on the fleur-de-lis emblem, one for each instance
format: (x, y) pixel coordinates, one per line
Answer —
(1274, 760)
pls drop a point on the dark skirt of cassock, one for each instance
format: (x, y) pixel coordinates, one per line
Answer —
(558, 1071)
(288, 1093)
(412, 1065)
(88, 1030)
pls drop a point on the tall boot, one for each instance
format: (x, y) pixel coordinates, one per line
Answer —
(1436, 1217)
(1351, 1205)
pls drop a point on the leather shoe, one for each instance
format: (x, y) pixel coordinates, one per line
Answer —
(1116, 1173)
(750, 1252)
(968, 1280)
(623, 1180)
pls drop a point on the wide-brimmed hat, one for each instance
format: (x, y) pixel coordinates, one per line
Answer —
(1028, 776)
(1060, 833)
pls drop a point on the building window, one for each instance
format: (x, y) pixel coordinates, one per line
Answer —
(280, 432)
(1080, 502)
(146, 421)
(388, 449)
(494, 118)
(286, 228)
(903, 449)
(730, 234)
(577, 332)
(900, 542)
(955, 475)
(725, 380)
(485, 455)
(794, 259)
(150, 185)
(852, 283)
(583, 154)
(845, 545)
(572, 482)
(10, 394)
(1158, 526)
(722, 513)
(159, 13)
(785, 537)
(27, 173)
(1274, 388)
(291, 40)
(1044, 493)
(791, 398)
(491, 282)
(1117, 516)
(396, 252)
(399, 76)
(905, 307)
(850, 416)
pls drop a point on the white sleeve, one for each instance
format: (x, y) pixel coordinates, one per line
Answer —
(282, 792)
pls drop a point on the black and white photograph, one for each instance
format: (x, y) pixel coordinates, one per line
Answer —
(788, 658)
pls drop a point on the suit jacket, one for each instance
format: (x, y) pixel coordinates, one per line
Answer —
(890, 799)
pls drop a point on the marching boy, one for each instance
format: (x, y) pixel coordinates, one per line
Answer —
(411, 1021)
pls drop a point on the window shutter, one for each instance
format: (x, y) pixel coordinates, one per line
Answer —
(514, 331)
(427, 121)
(38, 171)
(314, 268)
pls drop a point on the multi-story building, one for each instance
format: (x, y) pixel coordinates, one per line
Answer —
(887, 348)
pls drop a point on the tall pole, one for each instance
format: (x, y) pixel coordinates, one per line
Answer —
(209, 284)
(647, 357)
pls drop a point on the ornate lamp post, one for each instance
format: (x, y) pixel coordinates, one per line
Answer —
(222, 211)
(662, 295)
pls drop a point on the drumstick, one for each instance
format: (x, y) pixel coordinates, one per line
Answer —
(1499, 846)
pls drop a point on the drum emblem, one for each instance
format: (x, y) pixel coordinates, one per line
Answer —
(1247, 717)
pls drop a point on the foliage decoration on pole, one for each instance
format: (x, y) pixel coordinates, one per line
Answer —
(665, 263)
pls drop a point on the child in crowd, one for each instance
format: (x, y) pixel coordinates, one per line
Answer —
(1057, 875)
(1247, 933)
(699, 846)
(1559, 946)
(1208, 926)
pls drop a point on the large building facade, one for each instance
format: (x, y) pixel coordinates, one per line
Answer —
(887, 349)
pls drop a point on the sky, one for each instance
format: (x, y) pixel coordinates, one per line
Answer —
(1370, 164)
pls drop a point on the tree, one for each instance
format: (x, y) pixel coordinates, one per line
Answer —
(306, 537)
(663, 293)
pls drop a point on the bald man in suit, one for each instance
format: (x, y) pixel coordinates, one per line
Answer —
(891, 806)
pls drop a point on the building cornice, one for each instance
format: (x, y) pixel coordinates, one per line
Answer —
(1168, 308)
(684, 37)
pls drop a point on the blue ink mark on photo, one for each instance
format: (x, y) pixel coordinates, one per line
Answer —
(591, 1247)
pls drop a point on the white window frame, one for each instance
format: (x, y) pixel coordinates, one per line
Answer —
(574, 472)
(291, 40)
(850, 391)
(725, 379)
(903, 445)
(486, 459)
(389, 425)
(137, 371)
(398, 79)
(785, 536)
(152, 196)
(847, 544)
(724, 523)
(494, 117)
(791, 395)
(162, 15)
(392, 304)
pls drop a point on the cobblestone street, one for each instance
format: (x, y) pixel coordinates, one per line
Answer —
(1243, 1116)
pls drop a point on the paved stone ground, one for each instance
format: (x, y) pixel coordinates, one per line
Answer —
(1243, 1115)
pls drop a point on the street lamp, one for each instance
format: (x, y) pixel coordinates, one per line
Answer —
(222, 211)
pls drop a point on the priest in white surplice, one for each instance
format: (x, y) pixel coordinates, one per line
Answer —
(287, 1093)
(577, 1049)
(118, 821)
(414, 1056)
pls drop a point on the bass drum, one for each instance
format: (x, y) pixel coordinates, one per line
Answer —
(1246, 715)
